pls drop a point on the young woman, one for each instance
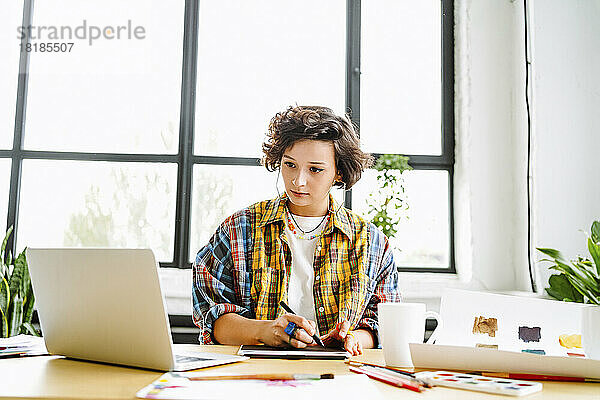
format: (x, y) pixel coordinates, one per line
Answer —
(329, 265)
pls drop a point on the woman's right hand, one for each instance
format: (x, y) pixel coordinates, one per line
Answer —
(273, 333)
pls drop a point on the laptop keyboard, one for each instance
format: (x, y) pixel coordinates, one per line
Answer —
(186, 359)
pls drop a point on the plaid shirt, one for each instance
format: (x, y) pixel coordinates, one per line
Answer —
(245, 269)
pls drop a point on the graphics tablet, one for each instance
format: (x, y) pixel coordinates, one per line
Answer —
(292, 353)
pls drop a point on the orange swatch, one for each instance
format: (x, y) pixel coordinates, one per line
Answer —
(570, 341)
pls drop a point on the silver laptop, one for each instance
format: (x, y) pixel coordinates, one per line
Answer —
(106, 305)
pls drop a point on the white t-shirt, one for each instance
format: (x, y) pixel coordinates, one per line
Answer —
(302, 275)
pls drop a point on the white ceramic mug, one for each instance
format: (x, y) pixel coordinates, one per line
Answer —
(399, 325)
(590, 331)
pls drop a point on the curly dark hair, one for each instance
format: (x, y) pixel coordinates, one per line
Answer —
(317, 123)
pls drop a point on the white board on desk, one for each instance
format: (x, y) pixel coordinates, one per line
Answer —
(460, 358)
(459, 308)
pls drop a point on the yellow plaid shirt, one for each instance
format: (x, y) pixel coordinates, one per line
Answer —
(245, 268)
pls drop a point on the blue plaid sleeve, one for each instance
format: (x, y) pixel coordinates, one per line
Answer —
(384, 277)
(215, 283)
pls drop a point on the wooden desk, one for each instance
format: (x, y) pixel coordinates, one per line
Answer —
(55, 377)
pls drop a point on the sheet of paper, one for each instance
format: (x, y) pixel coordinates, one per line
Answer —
(22, 345)
(22, 340)
(170, 386)
(509, 322)
(461, 358)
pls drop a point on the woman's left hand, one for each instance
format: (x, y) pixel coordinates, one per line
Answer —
(341, 335)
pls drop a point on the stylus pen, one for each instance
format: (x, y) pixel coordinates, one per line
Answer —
(266, 377)
(315, 337)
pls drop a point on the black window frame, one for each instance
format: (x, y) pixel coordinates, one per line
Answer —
(186, 159)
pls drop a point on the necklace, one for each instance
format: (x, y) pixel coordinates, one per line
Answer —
(295, 227)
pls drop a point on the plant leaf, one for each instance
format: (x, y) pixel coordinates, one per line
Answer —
(560, 288)
(555, 254)
(21, 262)
(579, 274)
(4, 295)
(3, 248)
(16, 278)
(28, 305)
(581, 288)
(16, 315)
(28, 328)
(3, 324)
(596, 231)
(595, 253)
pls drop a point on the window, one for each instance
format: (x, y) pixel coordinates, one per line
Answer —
(10, 18)
(403, 104)
(124, 205)
(259, 59)
(99, 160)
(107, 95)
(152, 141)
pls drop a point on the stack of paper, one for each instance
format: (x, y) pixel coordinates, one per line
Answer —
(22, 345)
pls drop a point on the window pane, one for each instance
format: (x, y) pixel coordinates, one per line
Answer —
(11, 15)
(255, 58)
(220, 190)
(5, 184)
(98, 204)
(423, 238)
(400, 109)
(106, 95)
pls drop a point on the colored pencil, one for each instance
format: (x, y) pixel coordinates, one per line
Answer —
(398, 381)
(360, 363)
(409, 375)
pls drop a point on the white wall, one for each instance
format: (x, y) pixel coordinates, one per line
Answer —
(491, 143)
(566, 63)
(491, 198)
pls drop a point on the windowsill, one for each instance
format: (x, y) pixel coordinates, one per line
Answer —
(421, 287)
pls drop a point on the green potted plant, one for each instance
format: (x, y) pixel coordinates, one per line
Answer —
(16, 294)
(578, 280)
(389, 200)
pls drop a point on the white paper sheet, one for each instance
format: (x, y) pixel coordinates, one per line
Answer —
(456, 348)
(481, 359)
(341, 387)
(459, 308)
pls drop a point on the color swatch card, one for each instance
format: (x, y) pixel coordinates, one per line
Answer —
(464, 358)
(511, 323)
(479, 383)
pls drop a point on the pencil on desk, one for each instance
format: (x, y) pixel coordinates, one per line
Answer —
(387, 378)
(392, 371)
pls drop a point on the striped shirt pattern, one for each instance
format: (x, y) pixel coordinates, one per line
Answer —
(245, 269)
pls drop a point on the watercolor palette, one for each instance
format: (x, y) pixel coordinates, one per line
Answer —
(480, 383)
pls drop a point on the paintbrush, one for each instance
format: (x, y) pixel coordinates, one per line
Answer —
(266, 377)
(538, 377)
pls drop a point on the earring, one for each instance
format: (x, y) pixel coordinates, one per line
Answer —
(277, 183)
(344, 189)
